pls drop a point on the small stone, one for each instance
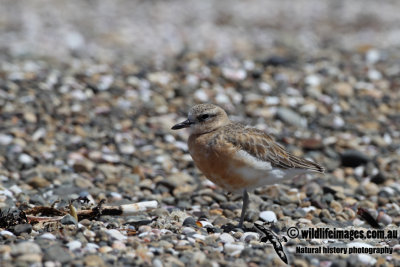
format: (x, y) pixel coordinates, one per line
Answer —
(291, 117)
(201, 95)
(234, 74)
(94, 260)
(372, 56)
(233, 249)
(268, 216)
(384, 218)
(226, 238)
(374, 74)
(116, 234)
(30, 117)
(144, 229)
(336, 206)
(29, 257)
(6, 233)
(5, 139)
(58, 253)
(48, 236)
(371, 189)
(105, 249)
(118, 245)
(188, 230)
(26, 159)
(22, 228)
(74, 245)
(68, 219)
(83, 165)
(249, 236)
(313, 80)
(344, 89)
(300, 263)
(26, 247)
(312, 143)
(38, 182)
(157, 263)
(353, 158)
(366, 259)
(91, 248)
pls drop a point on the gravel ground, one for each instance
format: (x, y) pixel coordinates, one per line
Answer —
(90, 90)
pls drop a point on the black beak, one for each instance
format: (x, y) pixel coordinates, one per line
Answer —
(182, 125)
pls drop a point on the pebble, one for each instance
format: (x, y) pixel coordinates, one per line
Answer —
(189, 221)
(48, 236)
(233, 249)
(25, 247)
(68, 219)
(94, 260)
(116, 234)
(352, 158)
(74, 245)
(291, 117)
(268, 216)
(23, 228)
(38, 182)
(226, 238)
(249, 236)
(367, 260)
(26, 159)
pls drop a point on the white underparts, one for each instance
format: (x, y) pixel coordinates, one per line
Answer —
(253, 162)
(261, 172)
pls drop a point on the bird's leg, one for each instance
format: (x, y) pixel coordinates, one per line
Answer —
(244, 207)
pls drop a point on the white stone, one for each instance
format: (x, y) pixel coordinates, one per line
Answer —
(116, 234)
(188, 230)
(49, 236)
(268, 216)
(373, 56)
(5, 139)
(91, 248)
(248, 236)
(73, 245)
(5, 232)
(226, 238)
(201, 96)
(25, 248)
(366, 259)
(374, 74)
(313, 80)
(25, 159)
(233, 248)
(358, 245)
(308, 209)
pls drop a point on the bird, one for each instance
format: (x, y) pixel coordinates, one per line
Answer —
(236, 157)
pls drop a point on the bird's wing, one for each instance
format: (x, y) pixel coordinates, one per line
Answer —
(262, 146)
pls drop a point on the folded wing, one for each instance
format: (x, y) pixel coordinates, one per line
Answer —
(262, 146)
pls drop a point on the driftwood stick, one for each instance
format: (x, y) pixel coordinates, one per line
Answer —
(122, 210)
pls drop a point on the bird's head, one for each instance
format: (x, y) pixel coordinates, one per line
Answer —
(204, 118)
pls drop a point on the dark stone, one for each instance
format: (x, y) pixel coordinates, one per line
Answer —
(189, 221)
(277, 61)
(68, 219)
(353, 158)
(22, 228)
(57, 253)
(379, 178)
(327, 198)
(37, 199)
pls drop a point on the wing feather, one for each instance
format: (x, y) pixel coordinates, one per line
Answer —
(262, 146)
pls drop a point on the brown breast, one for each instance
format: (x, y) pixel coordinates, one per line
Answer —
(214, 157)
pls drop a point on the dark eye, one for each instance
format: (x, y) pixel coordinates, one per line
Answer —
(203, 117)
